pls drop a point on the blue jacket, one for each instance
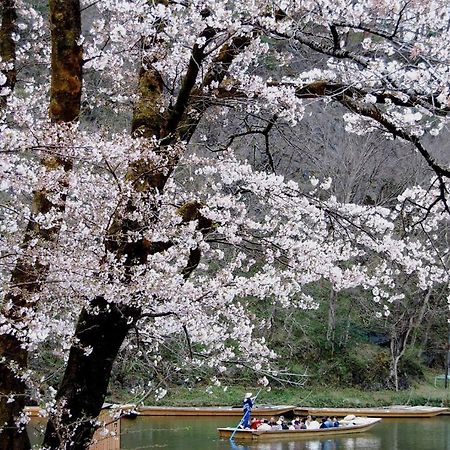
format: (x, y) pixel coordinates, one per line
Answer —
(247, 405)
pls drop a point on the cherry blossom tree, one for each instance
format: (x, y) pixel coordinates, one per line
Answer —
(49, 193)
(108, 227)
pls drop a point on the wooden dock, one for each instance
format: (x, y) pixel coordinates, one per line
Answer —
(105, 438)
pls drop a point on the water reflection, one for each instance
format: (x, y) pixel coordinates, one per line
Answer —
(198, 433)
(351, 443)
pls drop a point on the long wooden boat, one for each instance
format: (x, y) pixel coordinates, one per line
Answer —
(388, 411)
(131, 410)
(359, 425)
(212, 411)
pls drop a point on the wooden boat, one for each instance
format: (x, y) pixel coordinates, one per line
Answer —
(212, 411)
(359, 425)
(131, 410)
(388, 411)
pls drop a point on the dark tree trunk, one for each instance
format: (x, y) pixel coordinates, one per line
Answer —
(99, 334)
(67, 58)
(399, 340)
(28, 275)
(8, 45)
(420, 318)
(331, 329)
(12, 437)
(345, 336)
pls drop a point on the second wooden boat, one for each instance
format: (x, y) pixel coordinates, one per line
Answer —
(389, 411)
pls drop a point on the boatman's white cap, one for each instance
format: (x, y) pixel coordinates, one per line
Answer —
(248, 395)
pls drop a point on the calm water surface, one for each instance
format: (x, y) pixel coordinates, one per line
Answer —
(199, 433)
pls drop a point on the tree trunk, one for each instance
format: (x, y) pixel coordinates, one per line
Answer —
(399, 339)
(331, 329)
(346, 334)
(13, 359)
(395, 349)
(8, 45)
(394, 372)
(12, 436)
(67, 60)
(82, 391)
(426, 335)
(29, 274)
(420, 317)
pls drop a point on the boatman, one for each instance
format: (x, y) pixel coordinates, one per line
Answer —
(247, 410)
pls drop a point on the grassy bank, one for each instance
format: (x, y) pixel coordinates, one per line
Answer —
(424, 393)
(319, 397)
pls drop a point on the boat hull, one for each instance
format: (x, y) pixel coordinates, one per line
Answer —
(255, 435)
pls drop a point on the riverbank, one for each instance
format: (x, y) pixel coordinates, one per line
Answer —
(424, 393)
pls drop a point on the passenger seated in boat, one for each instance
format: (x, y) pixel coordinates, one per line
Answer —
(264, 426)
(308, 421)
(335, 422)
(282, 423)
(324, 423)
(296, 423)
(314, 424)
(291, 426)
(303, 425)
(254, 423)
(276, 424)
(272, 421)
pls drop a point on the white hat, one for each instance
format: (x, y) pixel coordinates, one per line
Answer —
(248, 395)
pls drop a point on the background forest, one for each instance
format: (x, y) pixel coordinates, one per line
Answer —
(343, 342)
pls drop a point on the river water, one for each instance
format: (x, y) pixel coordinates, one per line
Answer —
(199, 433)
